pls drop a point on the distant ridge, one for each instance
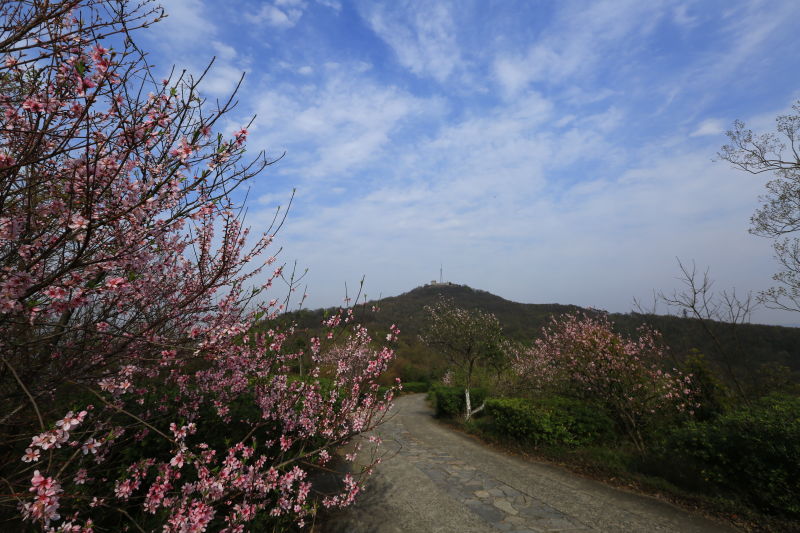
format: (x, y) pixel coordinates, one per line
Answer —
(751, 345)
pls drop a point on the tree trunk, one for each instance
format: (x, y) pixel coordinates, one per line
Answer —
(470, 411)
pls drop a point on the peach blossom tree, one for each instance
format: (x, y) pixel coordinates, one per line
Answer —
(135, 393)
(582, 356)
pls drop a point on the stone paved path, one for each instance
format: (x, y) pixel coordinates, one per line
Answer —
(434, 479)
(498, 504)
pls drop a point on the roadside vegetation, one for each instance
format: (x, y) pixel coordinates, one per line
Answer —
(135, 392)
(614, 408)
(147, 383)
(699, 404)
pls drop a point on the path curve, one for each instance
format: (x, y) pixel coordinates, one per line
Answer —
(433, 479)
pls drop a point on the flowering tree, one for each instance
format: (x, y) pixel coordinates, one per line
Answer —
(582, 356)
(468, 338)
(133, 392)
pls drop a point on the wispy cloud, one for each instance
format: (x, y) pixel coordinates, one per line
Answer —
(423, 35)
(558, 152)
(333, 4)
(279, 14)
(187, 22)
(577, 42)
(344, 121)
(710, 126)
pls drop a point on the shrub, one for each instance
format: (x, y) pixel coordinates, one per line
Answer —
(587, 422)
(710, 394)
(584, 358)
(449, 402)
(556, 421)
(128, 289)
(416, 386)
(751, 454)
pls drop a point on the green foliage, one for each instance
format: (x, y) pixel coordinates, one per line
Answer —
(555, 421)
(774, 377)
(523, 322)
(416, 386)
(751, 454)
(468, 338)
(449, 402)
(524, 421)
(587, 422)
(712, 395)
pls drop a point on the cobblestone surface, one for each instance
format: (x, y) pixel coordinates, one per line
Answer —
(500, 505)
(435, 480)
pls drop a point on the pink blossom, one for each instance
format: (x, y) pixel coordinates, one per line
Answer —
(130, 271)
(33, 105)
(6, 160)
(31, 455)
(90, 445)
(80, 477)
(78, 222)
(115, 282)
(71, 420)
(177, 460)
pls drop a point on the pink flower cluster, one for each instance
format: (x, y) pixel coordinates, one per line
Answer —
(128, 279)
(45, 505)
(583, 356)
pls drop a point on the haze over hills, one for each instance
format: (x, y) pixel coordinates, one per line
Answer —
(751, 348)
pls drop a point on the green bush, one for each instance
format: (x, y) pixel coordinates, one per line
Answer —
(751, 454)
(554, 421)
(416, 386)
(588, 423)
(449, 402)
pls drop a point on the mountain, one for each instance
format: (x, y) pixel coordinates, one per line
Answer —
(749, 349)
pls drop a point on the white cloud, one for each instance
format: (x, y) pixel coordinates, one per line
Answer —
(187, 22)
(752, 31)
(343, 123)
(710, 126)
(421, 34)
(333, 4)
(682, 17)
(222, 79)
(563, 185)
(189, 38)
(576, 43)
(281, 14)
(224, 51)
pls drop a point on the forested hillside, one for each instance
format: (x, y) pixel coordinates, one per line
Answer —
(751, 350)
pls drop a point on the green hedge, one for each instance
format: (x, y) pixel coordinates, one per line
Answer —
(416, 386)
(449, 402)
(751, 454)
(553, 421)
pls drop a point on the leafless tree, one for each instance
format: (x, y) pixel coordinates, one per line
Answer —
(720, 315)
(779, 215)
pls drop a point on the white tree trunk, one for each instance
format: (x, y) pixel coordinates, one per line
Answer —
(470, 411)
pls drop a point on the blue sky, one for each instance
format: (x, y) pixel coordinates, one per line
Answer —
(543, 151)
